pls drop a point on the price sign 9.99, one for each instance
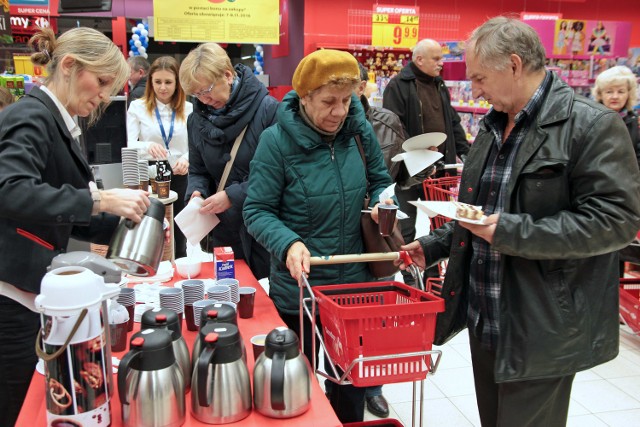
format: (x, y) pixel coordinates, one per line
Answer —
(395, 26)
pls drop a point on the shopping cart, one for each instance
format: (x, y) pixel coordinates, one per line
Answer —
(630, 304)
(374, 333)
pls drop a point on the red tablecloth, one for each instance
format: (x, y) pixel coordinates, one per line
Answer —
(265, 318)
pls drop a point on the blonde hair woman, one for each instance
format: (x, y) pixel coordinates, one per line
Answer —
(46, 191)
(157, 125)
(230, 101)
(617, 89)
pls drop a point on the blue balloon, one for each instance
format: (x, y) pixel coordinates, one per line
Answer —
(145, 43)
(131, 42)
(258, 56)
(138, 32)
(134, 49)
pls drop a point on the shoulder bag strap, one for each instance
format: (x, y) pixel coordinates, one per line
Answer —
(227, 168)
(367, 198)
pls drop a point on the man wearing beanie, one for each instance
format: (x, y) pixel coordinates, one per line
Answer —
(420, 98)
(306, 188)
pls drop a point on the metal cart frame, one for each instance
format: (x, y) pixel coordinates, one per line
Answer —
(308, 307)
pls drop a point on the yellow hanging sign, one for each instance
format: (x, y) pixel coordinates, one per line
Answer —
(395, 26)
(224, 21)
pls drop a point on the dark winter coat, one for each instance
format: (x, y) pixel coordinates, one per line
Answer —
(211, 138)
(401, 97)
(304, 189)
(573, 200)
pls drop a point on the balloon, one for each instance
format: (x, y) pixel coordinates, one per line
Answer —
(133, 29)
(135, 37)
(258, 68)
(145, 33)
(131, 53)
(131, 43)
(135, 49)
(145, 56)
(259, 48)
(141, 26)
(145, 44)
(258, 56)
(137, 31)
(256, 64)
(261, 73)
(138, 44)
(142, 49)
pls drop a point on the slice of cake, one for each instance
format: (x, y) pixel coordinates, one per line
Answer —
(465, 210)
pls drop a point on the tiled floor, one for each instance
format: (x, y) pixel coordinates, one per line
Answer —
(607, 395)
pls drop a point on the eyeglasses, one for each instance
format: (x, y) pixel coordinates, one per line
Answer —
(204, 92)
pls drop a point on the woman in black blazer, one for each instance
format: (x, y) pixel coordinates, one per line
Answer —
(46, 188)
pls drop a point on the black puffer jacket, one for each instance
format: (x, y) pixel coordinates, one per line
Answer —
(631, 120)
(211, 138)
(573, 200)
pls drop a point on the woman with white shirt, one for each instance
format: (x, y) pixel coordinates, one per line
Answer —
(157, 125)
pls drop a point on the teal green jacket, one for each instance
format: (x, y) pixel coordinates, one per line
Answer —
(303, 189)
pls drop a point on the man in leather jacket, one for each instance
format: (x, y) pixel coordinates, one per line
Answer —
(537, 283)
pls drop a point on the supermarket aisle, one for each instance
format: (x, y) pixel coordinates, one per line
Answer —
(608, 395)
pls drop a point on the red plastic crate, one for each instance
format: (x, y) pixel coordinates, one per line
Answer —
(443, 189)
(375, 319)
(630, 303)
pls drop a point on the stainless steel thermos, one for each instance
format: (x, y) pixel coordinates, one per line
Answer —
(282, 377)
(163, 318)
(220, 387)
(150, 384)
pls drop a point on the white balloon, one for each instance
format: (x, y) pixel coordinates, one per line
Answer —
(131, 53)
(135, 37)
(258, 68)
(133, 29)
(140, 26)
(138, 44)
(142, 49)
(261, 73)
(259, 48)
(256, 64)
(145, 33)
(144, 55)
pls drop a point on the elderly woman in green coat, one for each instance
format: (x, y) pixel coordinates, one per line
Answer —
(307, 186)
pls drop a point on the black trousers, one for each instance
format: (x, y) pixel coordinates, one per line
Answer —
(347, 401)
(531, 403)
(179, 185)
(18, 330)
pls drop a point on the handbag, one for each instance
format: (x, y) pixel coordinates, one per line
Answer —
(373, 241)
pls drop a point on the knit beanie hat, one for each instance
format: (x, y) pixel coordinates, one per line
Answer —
(320, 67)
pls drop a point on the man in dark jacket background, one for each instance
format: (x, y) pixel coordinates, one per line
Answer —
(420, 98)
(138, 78)
(537, 283)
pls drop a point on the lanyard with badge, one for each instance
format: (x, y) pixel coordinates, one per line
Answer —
(164, 135)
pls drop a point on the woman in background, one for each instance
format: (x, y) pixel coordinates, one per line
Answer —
(46, 189)
(157, 125)
(231, 104)
(617, 89)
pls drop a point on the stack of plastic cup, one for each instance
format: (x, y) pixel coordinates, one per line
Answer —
(172, 299)
(234, 284)
(130, 168)
(127, 297)
(197, 310)
(193, 291)
(219, 293)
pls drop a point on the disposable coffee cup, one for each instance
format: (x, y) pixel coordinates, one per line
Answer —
(118, 333)
(258, 342)
(189, 317)
(163, 188)
(386, 218)
(247, 302)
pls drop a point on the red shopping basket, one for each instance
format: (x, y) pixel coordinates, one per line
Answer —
(630, 303)
(378, 319)
(441, 190)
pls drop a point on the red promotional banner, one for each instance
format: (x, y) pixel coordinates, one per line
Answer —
(282, 48)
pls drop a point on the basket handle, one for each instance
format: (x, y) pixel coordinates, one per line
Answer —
(347, 258)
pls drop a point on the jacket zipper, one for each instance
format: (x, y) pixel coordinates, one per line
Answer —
(333, 153)
(34, 238)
